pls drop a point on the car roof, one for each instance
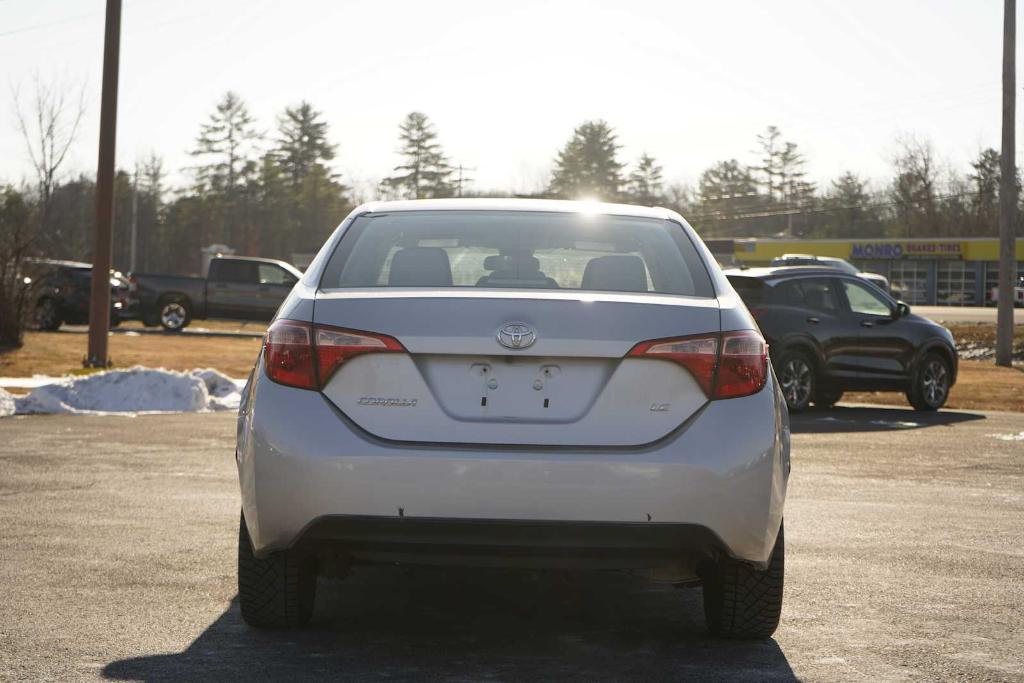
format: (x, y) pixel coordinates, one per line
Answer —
(806, 257)
(257, 259)
(59, 263)
(519, 204)
(785, 272)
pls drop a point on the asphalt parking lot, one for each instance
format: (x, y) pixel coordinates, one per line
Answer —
(905, 562)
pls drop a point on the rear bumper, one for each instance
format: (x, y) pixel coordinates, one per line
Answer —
(503, 542)
(715, 485)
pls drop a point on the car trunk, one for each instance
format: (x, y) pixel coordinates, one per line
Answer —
(459, 385)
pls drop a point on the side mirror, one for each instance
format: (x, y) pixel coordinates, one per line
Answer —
(902, 309)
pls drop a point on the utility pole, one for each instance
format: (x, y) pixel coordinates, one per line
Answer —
(1007, 191)
(135, 221)
(99, 304)
(461, 180)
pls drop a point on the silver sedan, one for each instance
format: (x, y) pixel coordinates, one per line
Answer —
(514, 383)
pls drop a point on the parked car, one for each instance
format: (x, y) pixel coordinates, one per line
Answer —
(1018, 293)
(514, 383)
(832, 262)
(240, 288)
(830, 332)
(62, 290)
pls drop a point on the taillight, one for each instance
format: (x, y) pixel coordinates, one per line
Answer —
(742, 365)
(725, 365)
(288, 354)
(303, 355)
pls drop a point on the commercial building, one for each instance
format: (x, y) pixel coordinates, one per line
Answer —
(954, 272)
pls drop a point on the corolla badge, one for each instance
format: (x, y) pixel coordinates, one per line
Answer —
(516, 335)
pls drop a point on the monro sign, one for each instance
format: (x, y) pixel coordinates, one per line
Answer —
(899, 250)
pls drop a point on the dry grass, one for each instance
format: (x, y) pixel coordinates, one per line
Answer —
(59, 353)
(980, 386)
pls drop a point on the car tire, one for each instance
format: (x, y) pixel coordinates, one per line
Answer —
(743, 602)
(277, 591)
(930, 385)
(47, 316)
(175, 314)
(826, 398)
(797, 380)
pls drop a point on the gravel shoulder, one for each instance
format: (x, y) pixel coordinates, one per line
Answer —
(904, 563)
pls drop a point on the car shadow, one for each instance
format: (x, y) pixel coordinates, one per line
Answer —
(874, 419)
(432, 624)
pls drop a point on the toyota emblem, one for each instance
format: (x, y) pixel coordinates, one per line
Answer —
(516, 335)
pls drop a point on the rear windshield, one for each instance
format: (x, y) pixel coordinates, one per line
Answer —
(517, 250)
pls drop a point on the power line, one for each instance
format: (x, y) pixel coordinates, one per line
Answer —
(719, 215)
(48, 24)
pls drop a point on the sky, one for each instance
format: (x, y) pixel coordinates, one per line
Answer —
(688, 81)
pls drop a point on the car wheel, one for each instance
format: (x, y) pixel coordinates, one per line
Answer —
(796, 377)
(277, 591)
(48, 315)
(743, 602)
(931, 383)
(174, 315)
(826, 398)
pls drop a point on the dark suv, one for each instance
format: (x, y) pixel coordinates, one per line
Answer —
(829, 332)
(62, 289)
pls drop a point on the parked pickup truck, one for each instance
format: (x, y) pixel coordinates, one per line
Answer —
(1018, 293)
(240, 288)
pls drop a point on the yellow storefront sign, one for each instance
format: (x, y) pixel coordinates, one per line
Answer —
(757, 251)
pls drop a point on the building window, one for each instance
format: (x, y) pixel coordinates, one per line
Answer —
(909, 281)
(955, 284)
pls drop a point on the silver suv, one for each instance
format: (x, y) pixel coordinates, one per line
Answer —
(836, 263)
(516, 383)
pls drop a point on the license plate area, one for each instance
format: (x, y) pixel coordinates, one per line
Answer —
(511, 388)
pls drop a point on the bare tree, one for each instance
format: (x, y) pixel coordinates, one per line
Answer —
(48, 120)
(16, 237)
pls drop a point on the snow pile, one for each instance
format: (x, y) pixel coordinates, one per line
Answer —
(224, 391)
(6, 404)
(138, 390)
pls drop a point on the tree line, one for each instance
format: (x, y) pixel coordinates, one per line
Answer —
(274, 193)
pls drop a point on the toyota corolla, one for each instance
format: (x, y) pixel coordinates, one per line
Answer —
(517, 383)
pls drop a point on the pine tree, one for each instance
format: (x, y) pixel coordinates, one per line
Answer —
(795, 190)
(425, 173)
(849, 210)
(228, 179)
(587, 166)
(227, 141)
(769, 143)
(726, 192)
(644, 184)
(985, 192)
(727, 187)
(302, 141)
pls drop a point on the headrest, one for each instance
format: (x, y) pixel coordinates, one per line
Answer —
(420, 267)
(619, 273)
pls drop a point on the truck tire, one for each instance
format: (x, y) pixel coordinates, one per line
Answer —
(175, 313)
(277, 591)
(742, 602)
(930, 385)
